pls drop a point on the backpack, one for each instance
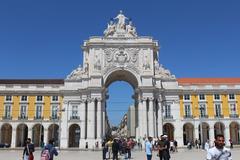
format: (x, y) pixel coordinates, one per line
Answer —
(45, 154)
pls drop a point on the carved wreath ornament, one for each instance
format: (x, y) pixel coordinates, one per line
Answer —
(121, 56)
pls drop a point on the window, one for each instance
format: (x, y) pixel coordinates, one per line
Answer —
(39, 98)
(38, 112)
(186, 97)
(23, 111)
(8, 98)
(187, 108)
(201, 97)
(231, 96)
(23, 98)
(218, 110)
(74, 112)
(233, 109)
(54, 111)
(216, 97)
(167, 111)
(55, 98)
(7, 111)
(202, 108)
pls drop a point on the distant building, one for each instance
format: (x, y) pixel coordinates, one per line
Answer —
(131, 123)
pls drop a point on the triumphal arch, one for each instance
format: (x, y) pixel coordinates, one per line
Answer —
(120, 54)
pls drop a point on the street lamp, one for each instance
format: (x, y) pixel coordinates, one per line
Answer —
(202, 109)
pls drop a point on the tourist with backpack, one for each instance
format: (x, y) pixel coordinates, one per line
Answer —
(28, 150)
(49, 151)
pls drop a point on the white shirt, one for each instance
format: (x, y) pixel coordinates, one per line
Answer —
(217, 154)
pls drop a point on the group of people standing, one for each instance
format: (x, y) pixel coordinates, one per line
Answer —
(162, 145)
(117, 146)
(47, 153)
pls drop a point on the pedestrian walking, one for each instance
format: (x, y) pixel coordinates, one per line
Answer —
(49, 151)
(28, 150)
(115, 149)
(149, 148)
(219, 152)
(104, 149)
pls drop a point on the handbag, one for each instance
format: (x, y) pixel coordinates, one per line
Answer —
(30, 155)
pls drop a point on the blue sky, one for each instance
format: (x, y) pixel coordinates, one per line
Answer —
(42, 39)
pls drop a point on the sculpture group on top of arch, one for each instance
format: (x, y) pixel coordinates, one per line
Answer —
(120, 28)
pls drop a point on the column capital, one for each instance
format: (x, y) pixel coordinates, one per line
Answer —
(99, 99)
(65, 102)
(89, 100)
(144, 98)
(151, 98)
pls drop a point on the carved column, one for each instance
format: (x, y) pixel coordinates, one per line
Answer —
(211, 135)
(160, 118)
(13, 141)
(63, 126)
(103, 118)
(99, 119)
(144, 117)
(151, 118)
(140, 122)
(227, 135)
(83, 119)
(91, 119)
(45, 135)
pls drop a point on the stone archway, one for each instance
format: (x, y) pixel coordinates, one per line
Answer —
(119, 56)
(74, 136)
(188, 133)
(53, 133)
(168, 129)
(38, 135)
(219, 128)
(234, 132)
(22, 135)
(6, 134)
(203, 130)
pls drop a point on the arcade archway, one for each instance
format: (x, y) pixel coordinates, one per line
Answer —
(234, 132)
(168, 129)
(53, 133)
(74, 136)
(38, 135)
(188, 133)
(203, 130)
(6, 134)
(219, 128)
(22, 135)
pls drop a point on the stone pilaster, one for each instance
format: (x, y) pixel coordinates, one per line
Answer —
(151, 118)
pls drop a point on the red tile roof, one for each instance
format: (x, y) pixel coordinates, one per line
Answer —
(188, 81)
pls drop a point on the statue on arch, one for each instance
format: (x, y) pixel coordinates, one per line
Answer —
(121, 20)
(131, 29)
(110, 29)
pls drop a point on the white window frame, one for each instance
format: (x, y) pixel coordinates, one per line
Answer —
(37, 98)
(190, 111)
(52, 106)
(55, 100)
(21, 98)
(215, 110)
(200, 110)
(229, 95)
(37, 111)
(73, 111)
(202, 99)
(230, 109)
(214, 98)
(20, 110)
(6, 98)
(185, 96)
(10, 111)
(167, 110)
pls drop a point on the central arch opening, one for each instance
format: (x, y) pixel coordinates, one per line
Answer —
(120, 103)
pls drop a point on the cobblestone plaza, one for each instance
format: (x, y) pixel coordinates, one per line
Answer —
(183, 154)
